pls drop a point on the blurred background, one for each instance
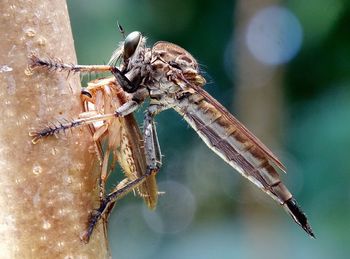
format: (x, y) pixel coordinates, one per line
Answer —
(283, 69)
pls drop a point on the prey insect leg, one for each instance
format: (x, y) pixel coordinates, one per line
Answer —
(153, 160)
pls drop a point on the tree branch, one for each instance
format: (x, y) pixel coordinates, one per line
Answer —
(46, 190)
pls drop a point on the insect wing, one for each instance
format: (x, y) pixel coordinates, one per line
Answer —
(261, 149)
(124, 139)
(132, 160)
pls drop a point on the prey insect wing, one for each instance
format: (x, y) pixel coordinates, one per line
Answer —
(123, 137)
(134, 140)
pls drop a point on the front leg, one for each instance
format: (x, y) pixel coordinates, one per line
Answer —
(153, 160)
(129, 86)
(56, 64)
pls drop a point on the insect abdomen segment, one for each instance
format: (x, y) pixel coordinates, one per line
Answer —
(236, 148)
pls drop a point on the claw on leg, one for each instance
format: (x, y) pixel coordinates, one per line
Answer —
(111, 198)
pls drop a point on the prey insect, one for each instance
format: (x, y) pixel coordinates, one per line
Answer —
(122, 134)
(124, 140)
(169, 77)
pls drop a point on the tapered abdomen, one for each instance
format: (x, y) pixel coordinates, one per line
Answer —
(239, 148)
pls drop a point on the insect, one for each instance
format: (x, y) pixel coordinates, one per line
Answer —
(122, 134)
(123, 137)
(169, 77)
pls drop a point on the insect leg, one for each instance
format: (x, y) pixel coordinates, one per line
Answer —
(152, 148)
(63, 126)
(153, 160)
(123, 110)
(55, 64)
(127, 85)
(109, 201)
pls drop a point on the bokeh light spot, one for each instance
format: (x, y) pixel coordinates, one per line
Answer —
(175, 210)
(274, 35)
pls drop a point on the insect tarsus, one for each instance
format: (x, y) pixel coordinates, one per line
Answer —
(52, 129)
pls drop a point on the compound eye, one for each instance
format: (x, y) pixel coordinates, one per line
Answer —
(130, 44)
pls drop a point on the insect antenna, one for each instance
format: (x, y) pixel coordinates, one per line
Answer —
(121, 29)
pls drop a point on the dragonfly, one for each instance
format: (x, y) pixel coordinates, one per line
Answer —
(169, 77)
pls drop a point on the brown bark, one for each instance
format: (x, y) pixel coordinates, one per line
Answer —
(47, 189)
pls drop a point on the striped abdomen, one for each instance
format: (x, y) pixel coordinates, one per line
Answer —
(228, 138)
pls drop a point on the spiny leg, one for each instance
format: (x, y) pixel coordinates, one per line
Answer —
(108, 202)
(55, 64)
(153, 160)
(63, 126)
(54, 129)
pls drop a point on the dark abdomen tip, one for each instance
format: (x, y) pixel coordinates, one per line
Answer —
(298, 215)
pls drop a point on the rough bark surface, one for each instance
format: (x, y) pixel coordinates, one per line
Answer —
(47, 189)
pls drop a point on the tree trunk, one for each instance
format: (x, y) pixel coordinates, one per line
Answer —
(46, 190)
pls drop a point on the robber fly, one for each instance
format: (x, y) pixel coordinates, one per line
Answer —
(169, 77)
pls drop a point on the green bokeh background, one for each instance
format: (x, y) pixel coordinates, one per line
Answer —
(207, 209)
